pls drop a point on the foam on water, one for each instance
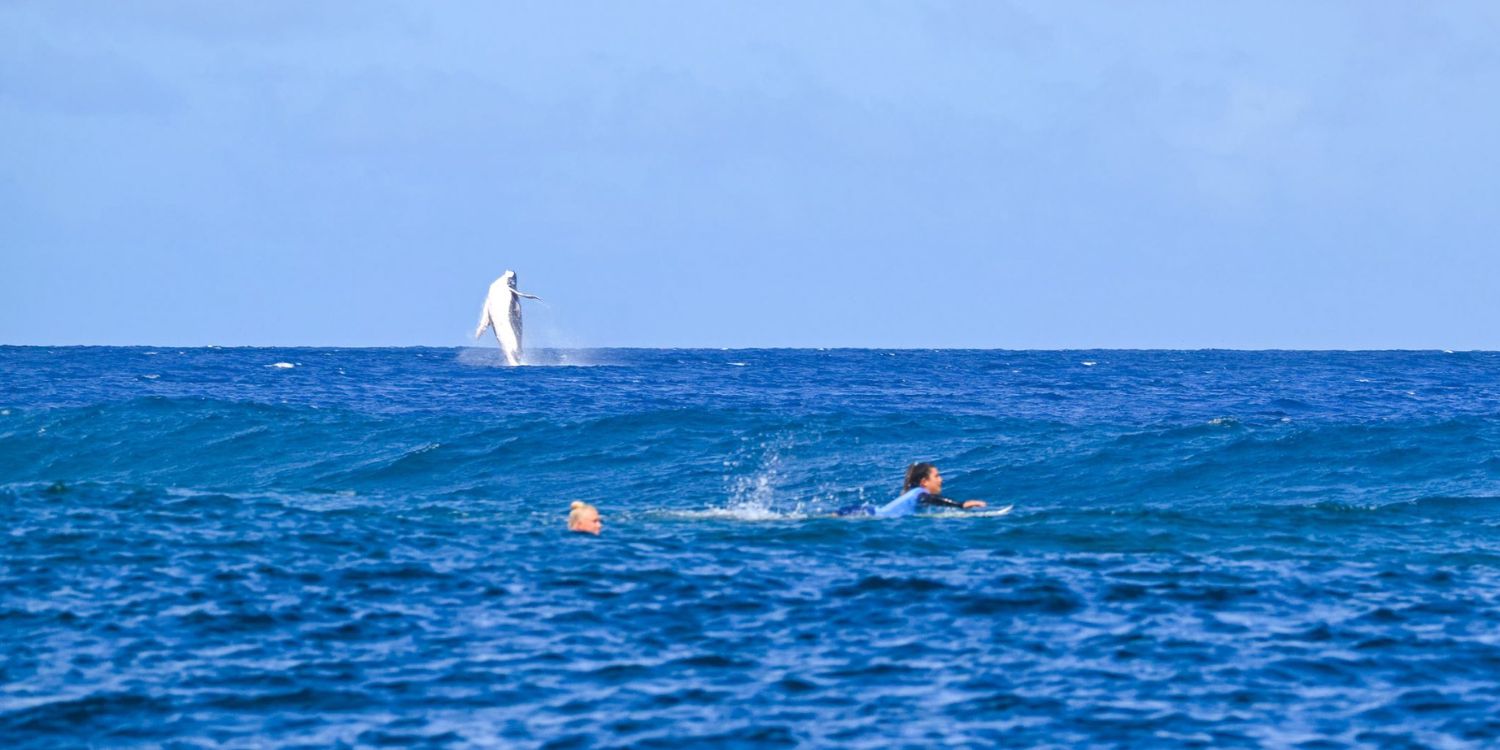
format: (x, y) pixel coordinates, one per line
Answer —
(748, 513)
(481, 356)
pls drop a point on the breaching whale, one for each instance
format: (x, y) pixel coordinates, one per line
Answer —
(502, 311)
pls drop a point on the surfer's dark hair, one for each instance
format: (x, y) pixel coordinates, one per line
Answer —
(916, 473)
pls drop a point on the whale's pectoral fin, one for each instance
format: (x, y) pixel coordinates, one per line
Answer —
(528, 296)
(484, 321)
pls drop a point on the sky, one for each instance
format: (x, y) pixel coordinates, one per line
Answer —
(753, 174)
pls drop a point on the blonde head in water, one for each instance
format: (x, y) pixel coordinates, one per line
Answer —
(584, 518)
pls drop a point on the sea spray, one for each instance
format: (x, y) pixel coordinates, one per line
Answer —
(754, 483)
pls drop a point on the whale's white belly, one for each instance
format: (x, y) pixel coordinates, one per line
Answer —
(507, 317)
(502, 308)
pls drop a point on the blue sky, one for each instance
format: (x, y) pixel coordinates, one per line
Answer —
(886, 174)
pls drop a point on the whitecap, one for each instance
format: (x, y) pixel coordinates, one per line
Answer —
(150, 377)
(282, 365)
(1089, 363)
(736, 364)
(735, 513)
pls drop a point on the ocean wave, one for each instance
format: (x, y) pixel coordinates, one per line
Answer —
(371, 547)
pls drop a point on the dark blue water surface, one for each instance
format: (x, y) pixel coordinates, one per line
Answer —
(367, 547)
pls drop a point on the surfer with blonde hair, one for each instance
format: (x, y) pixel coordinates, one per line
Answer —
(584, 518)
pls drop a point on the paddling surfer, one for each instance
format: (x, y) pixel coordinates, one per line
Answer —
(923, 487)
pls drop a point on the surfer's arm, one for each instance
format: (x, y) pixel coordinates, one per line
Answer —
(939, 500)
(947, 503)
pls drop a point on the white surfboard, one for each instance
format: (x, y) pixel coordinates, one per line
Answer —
(983, 513)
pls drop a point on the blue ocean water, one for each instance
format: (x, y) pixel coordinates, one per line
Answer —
(360, 548)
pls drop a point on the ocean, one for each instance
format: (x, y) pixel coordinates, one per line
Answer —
(250, 547)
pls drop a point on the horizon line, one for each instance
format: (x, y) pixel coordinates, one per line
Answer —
(1441, 350)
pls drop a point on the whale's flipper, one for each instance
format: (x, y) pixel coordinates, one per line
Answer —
(484, 319)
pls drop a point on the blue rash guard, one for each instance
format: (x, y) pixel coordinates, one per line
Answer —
(908, 504)
(902, 506)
